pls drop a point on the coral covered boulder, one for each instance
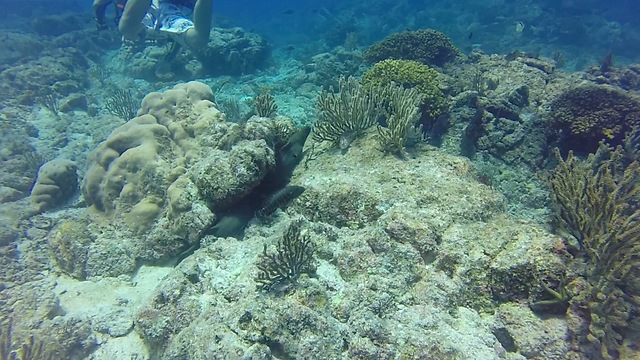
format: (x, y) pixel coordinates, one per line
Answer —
(57, 181)
(427, 46)
(233, 52)
(162, 176)
(17, 46)
(587, 114)
(57, 72)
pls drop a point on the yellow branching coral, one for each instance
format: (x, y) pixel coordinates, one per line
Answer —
(347, 113)
(410, 74)
(403, 113)
(597, 202)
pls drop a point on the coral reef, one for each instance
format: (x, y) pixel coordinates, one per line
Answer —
(17, 46)
(596, 202)
(58, 24)
(69, 244)
(427, 46)
(346, 114)
(233, 51)
(587, 114)
(293, 257)
(57, 181)
(400, 260)
(224, 178)
(326, 68)
(410, 74)
(497, 114)
(435, 257)
(626, 78)
(272, 189)
(31, 349)
(166, 175)
(35, 311)
(20, 161)
(139, 173)
(60, 71)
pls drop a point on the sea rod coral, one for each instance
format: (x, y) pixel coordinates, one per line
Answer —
(596, 202)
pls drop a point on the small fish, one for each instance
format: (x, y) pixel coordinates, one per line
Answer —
(519, 26)
(279, 200)
(289, 48)
(470, 36)
(287, 12)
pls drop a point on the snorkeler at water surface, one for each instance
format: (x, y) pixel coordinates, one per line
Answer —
(187, 22)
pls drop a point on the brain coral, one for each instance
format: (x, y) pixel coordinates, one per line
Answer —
(57, 181)
(162, 175)
(587, 114)
(427, 46)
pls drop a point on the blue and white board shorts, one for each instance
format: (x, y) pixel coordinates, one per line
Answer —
(173, 20)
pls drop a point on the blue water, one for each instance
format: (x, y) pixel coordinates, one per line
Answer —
(581, 28)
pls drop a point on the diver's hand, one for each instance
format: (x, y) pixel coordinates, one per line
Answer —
(136, 42)
(101, 25)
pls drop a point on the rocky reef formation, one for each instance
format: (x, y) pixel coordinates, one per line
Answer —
(57, 72)
(405, 254)
(233, 51)
(164, 176)
(230, 51)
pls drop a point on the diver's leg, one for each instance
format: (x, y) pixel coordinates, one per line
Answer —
(198, 35)
(131, 22)
(100, 10)
(101, 3)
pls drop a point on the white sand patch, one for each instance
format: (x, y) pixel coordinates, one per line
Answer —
(109, 304)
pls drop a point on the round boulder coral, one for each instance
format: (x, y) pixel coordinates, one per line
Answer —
(587, 114)
(57, 181)
(163, 177)
(233, 52)
(427, 46)
(137, 178)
